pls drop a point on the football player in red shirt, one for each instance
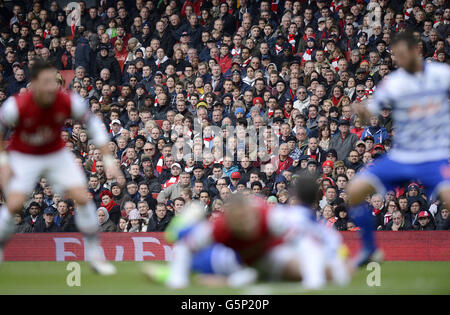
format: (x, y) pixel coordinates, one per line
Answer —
(280, 242)
(36, 148)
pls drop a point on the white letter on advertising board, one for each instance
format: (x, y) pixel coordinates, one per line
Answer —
(60, 242)
(119, 253)
(139, 252)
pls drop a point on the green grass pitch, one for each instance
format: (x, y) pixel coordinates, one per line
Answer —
(50, 278)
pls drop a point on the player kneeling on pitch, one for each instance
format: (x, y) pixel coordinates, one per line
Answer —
(277, 243)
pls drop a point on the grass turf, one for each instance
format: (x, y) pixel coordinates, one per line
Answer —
(50, 278)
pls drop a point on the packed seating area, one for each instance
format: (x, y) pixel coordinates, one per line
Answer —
(204, 99)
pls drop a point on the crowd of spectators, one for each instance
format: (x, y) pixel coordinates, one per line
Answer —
(204, 99)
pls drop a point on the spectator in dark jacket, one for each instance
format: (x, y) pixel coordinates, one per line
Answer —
(21, 225)
(35, 217)
(443, 220)
(352, 161)
(342, 218)
(95, 189)
(48, 225)
(63, 218)
(398, 223)
(425, 221)
(106, 60)
(414, 207)
(159, 221)
(16, 82)
(104, 222)
(82, 52)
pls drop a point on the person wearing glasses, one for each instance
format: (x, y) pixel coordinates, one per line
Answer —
(360, 91)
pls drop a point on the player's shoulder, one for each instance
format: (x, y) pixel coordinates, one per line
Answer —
(439, 74)
(394, 83)
(438, 68)
(25, 96)
(391, 80)
(21, 101)
(220, 230)
(395, 77)
(78, 104)
(66, 94)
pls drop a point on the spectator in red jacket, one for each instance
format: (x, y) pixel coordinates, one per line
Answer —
(224, 58)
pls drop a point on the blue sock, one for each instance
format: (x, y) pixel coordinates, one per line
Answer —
(363, 218)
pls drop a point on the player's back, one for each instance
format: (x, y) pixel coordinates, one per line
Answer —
(38, 129)
(255, 247)
(420, 111)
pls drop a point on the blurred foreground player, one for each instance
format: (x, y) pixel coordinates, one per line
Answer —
(213, 265)
(418, 95)
(36, 149)
(280, 243)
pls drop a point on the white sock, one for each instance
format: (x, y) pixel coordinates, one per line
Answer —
(312, 264)
(7, 226)
(180, 266)
(86, 219)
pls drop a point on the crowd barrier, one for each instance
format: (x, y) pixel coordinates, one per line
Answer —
(413, 246)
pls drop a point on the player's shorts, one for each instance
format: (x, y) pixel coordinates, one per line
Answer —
(216, 259)
(59, 168)
(386, 174)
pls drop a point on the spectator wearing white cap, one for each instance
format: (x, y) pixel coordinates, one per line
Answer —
(135, 222)
(174, 191)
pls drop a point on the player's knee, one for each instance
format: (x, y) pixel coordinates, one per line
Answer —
(357, 191)
(353, 189)
(79, 195)
(445, 194)
(15, 202)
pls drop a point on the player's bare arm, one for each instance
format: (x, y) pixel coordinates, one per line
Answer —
(97, 132)
(360, 109)
(8, 116)
(5, 169)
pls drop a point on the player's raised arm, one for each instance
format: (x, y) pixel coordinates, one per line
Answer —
(360, 109)
(369, 107)
(96, 130)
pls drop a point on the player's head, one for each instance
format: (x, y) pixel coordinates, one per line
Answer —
(406, 51)
(305, 190)
(241, 216)
(43, 82)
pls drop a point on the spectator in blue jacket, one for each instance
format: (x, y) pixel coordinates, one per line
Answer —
(378, 133)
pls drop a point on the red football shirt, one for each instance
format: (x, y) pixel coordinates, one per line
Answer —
(252, 249)
(38, 129)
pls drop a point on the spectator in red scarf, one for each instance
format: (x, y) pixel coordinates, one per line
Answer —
(337, 93)
(120, 53)
(378, 210)
(113, 209)
(283, 161)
